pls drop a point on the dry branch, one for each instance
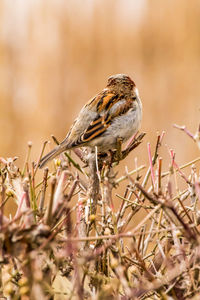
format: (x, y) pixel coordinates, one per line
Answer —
(59, 246)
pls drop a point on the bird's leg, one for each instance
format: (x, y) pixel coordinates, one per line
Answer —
(110, 157)
(119, 149)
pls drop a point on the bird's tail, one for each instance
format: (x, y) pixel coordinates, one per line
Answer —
(52, 154)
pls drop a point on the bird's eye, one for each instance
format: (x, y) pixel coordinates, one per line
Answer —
(134, 98)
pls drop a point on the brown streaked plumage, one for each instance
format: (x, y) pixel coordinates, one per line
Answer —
(114, 112)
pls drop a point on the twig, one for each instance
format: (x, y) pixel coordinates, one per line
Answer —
(49, 211)
(184, 129)
(44, 186)
(151, 165)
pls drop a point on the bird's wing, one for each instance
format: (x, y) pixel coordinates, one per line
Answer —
(105, 118)
(107, 108)
(104, 101)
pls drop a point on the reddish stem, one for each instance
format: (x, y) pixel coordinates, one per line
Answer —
(151, 164)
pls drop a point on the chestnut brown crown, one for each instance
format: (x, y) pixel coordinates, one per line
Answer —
(120, 80)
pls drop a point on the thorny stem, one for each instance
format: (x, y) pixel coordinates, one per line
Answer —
(27, 157)
(94, 184)
(135, 209)
(40, 156)
(184, 128)
(151, 165)
(3, 190)
(49, 211)
(44, 186)
(158, 254)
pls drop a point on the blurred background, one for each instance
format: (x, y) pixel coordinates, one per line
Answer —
(55, 55)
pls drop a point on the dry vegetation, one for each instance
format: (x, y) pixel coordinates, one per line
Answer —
(58, 248)
(122, 232)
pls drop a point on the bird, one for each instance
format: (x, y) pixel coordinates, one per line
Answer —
(114, 113)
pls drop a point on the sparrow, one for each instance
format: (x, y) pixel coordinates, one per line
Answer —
(114, 113)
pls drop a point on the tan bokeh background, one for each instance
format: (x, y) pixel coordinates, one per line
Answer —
(56, 54)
